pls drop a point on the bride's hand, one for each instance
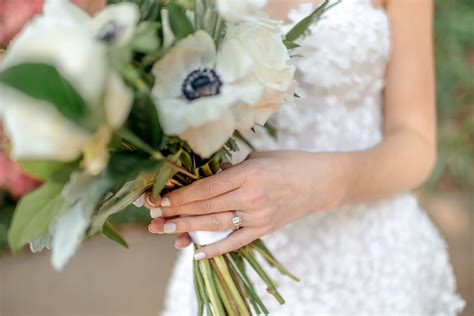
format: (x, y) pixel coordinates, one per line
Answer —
(267, 191)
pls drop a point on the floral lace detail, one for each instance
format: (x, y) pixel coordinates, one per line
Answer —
(385, 258)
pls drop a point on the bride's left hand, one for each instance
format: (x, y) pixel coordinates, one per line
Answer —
(267, 191)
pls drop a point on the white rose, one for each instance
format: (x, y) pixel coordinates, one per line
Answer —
(67, 38)
(196, 88)
(271, 69)
(240, 10)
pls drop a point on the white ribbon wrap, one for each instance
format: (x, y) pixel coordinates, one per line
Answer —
(206, 238)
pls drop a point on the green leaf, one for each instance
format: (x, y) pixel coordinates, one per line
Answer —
(165, 172)
(34, 214)
(110, 232)
(146, 37)
(43, 82)
(300, 29)
(143, 121)
(124, 166)
(290, 44)
(272, 131)
(48, 170)
(179, 22)
(115, 205)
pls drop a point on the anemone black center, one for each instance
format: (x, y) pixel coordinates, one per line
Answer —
(110, 31)
(201, 83)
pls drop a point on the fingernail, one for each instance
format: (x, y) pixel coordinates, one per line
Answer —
(170, 228)
(140, 201)
(156, 212)
(150, 229)
(199, 256)
(165, 202)
(177, 246)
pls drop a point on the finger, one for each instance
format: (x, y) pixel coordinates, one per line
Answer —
(214, 222)
(182, 241)
(226, 181)
(236, 240)
(157, 226)
(223, 203)
(151, 203)
(226, 165)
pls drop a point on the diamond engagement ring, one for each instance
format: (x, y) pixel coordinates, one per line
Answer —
(236, 221)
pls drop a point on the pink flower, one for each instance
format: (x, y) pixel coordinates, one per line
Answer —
(15, 13)
(12, 178)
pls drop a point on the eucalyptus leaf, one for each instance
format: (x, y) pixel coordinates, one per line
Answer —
(69, 230)
(109, 231)
(45, 83)
(179, 22)
(38, 244)
(34, 214)
(83, 192)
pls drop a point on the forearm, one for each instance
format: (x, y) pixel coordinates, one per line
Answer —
(401, 162)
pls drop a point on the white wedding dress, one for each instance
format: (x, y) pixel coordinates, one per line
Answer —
(385, 258)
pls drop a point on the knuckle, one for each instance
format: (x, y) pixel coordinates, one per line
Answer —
(184, 225)
(237, 244)
(259, 197)
(207, 188)
(204, 206)
(171, 211)
(175, 198)
(217, 223)
(216, 251)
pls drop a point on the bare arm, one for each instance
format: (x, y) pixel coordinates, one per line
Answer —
(406, 156)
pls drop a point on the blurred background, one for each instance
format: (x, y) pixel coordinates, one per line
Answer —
(106, 280)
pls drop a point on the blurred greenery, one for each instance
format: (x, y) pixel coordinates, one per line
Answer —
(7, 205)
(454, 47)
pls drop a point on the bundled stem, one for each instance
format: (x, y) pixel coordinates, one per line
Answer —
(222, 283)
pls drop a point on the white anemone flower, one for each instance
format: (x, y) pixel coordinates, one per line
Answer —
(240, 10)
(63, 36)
(196, 88)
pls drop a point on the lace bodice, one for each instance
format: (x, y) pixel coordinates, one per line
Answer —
(341, 68)
(384, 258)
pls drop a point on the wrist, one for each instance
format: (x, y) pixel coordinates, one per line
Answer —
(330, 177)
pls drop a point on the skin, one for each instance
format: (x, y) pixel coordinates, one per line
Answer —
(273, 189)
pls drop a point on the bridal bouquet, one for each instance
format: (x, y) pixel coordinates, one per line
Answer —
(106, 108)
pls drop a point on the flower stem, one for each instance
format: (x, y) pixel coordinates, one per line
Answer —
(247, 253)
(217, 308)
(224, 291)
(200, 294)
(260, 247)
(140, 144)
(239, 268)
(222, 266)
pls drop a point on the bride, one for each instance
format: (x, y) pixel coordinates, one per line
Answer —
(331, 193)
